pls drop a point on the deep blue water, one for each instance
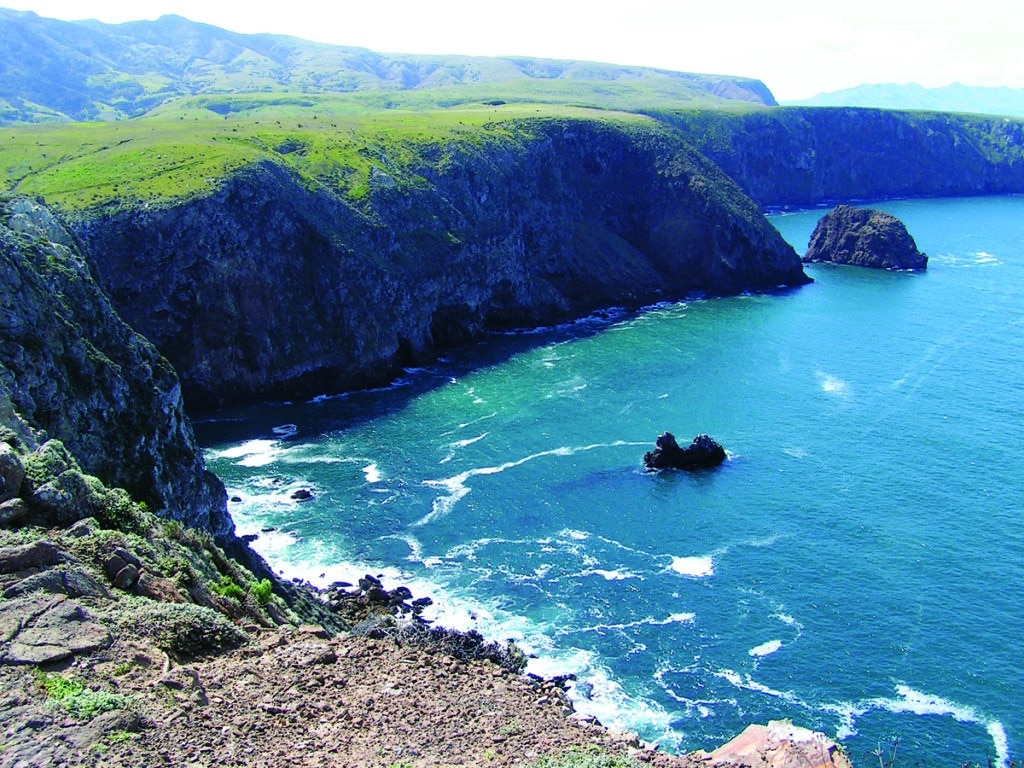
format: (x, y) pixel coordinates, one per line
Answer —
(856, 566)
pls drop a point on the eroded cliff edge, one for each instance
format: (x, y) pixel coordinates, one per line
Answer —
(273, 287)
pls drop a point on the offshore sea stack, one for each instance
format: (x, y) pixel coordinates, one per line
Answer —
(864, 237)
(703, 453)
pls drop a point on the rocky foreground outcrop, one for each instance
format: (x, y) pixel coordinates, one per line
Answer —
(271, 289)
(864, 237)
(99, 669)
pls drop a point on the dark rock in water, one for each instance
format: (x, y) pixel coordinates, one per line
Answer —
(865, 238)
(302, 495)
(703, 452)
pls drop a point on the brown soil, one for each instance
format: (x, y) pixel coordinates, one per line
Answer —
(295, 698)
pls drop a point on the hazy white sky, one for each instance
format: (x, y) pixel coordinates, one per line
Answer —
(797, 47)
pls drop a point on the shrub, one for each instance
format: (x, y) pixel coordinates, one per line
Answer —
(78, 701)
(261, 591)
(225, 587)
(182, 628)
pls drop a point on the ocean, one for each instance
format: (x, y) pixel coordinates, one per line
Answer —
(856, 566)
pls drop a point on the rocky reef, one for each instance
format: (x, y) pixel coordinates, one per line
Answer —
(272, 289)
(703, 452)
(864, 237)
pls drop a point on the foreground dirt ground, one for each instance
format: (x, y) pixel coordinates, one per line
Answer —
(294, 697)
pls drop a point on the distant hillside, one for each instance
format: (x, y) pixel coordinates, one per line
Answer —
(1008, 102)
(55, 70)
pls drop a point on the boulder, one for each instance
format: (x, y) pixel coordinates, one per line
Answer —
(35, 556)
(42, 629)
(12, 473)
(780, 744)
(702, 453)
(865, 238)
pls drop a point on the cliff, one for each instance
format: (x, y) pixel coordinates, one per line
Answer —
(275, 287)
(866, 238)
(75, 372)
(806, 156)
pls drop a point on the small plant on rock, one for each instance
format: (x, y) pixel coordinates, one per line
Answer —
(261, 591)
(78, 701)
(225, 587)
(588, 758)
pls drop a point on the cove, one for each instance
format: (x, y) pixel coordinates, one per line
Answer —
(854, 566)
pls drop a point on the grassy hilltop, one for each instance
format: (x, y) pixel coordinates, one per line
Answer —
(168, 157)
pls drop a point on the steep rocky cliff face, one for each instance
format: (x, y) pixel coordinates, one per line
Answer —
(74, 372)
(805, 156)
(272, 289)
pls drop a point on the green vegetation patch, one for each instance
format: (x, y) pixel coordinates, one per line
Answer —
(183, 629)
(584, 758)
(78, 701)
(155, 161)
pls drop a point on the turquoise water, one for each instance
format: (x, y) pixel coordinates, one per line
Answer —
(856, 566)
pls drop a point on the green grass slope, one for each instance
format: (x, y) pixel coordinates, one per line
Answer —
(163, 159)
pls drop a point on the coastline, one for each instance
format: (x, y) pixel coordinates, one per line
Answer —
(271, 696)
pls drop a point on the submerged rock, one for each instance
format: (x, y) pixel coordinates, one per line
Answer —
(702, 453)
(864, 237)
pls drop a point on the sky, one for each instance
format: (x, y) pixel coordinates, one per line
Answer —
(798, 48)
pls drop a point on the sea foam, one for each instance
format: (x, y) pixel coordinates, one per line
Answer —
(915, 702)
(765, 649)
(695, 567)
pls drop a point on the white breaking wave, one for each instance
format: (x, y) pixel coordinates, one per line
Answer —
(747, 683)
(923, 704)
(457, 488)
(765, 649)
(832, 384)
(252, 453)
(615, 575)
(453, 448)
(650, 621)
(695, 567)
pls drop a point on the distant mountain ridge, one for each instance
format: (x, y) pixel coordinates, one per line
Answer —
(58, 70)
(1008, 102)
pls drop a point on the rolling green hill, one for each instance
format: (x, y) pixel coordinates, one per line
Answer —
(56, 70)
